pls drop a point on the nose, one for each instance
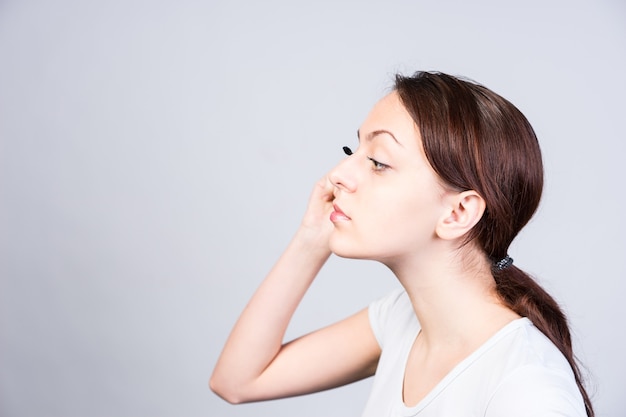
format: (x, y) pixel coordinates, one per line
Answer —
(342, 176)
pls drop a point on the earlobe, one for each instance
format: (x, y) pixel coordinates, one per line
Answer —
(464, 210)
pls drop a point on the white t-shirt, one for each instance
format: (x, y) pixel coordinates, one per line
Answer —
(517, 372)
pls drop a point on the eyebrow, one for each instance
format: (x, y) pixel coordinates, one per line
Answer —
(372, 135)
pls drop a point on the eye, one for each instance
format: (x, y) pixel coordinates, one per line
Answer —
(378, 166)
(347, 150)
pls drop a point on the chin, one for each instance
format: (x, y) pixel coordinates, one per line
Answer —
(349, 250)
(342, 250)
(379, 251)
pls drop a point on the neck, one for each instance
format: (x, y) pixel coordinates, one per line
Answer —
(457, 305)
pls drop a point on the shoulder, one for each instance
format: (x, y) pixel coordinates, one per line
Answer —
(393, 311)
(539, 380)
(535, 390)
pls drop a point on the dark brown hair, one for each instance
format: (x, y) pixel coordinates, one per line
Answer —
(476, 140)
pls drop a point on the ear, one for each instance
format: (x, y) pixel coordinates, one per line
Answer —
(463, 211)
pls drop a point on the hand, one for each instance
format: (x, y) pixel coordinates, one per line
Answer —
(316, 222)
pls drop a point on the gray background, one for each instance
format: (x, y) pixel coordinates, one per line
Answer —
(156, 156)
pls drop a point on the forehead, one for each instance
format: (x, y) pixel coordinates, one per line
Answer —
(391, 115)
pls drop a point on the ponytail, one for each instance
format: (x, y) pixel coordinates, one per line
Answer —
(523, 295)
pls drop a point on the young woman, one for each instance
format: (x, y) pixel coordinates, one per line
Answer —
(445, 175)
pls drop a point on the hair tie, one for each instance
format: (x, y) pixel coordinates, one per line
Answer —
(504, 263)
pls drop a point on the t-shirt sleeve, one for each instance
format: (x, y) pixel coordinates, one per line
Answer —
(379, 312)
(533, 391)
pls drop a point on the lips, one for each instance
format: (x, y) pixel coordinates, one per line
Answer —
(337, 215)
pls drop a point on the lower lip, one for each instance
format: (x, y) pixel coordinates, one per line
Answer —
(336, 216)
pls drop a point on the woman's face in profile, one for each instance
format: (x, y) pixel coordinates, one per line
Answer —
(389, 193)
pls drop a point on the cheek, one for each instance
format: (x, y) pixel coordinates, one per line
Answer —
(403, 223)
(388, 221)
(398, 221)
(402, 215)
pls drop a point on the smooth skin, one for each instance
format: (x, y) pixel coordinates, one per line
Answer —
(388, 205)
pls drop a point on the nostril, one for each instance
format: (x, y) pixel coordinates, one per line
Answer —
(347, 150)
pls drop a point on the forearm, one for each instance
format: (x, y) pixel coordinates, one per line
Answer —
(258, 334)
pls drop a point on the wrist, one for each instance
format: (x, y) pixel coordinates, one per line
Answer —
(313, 240)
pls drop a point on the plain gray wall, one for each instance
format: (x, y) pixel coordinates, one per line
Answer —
(156, 156)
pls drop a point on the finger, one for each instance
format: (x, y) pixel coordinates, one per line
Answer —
(329, 188)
